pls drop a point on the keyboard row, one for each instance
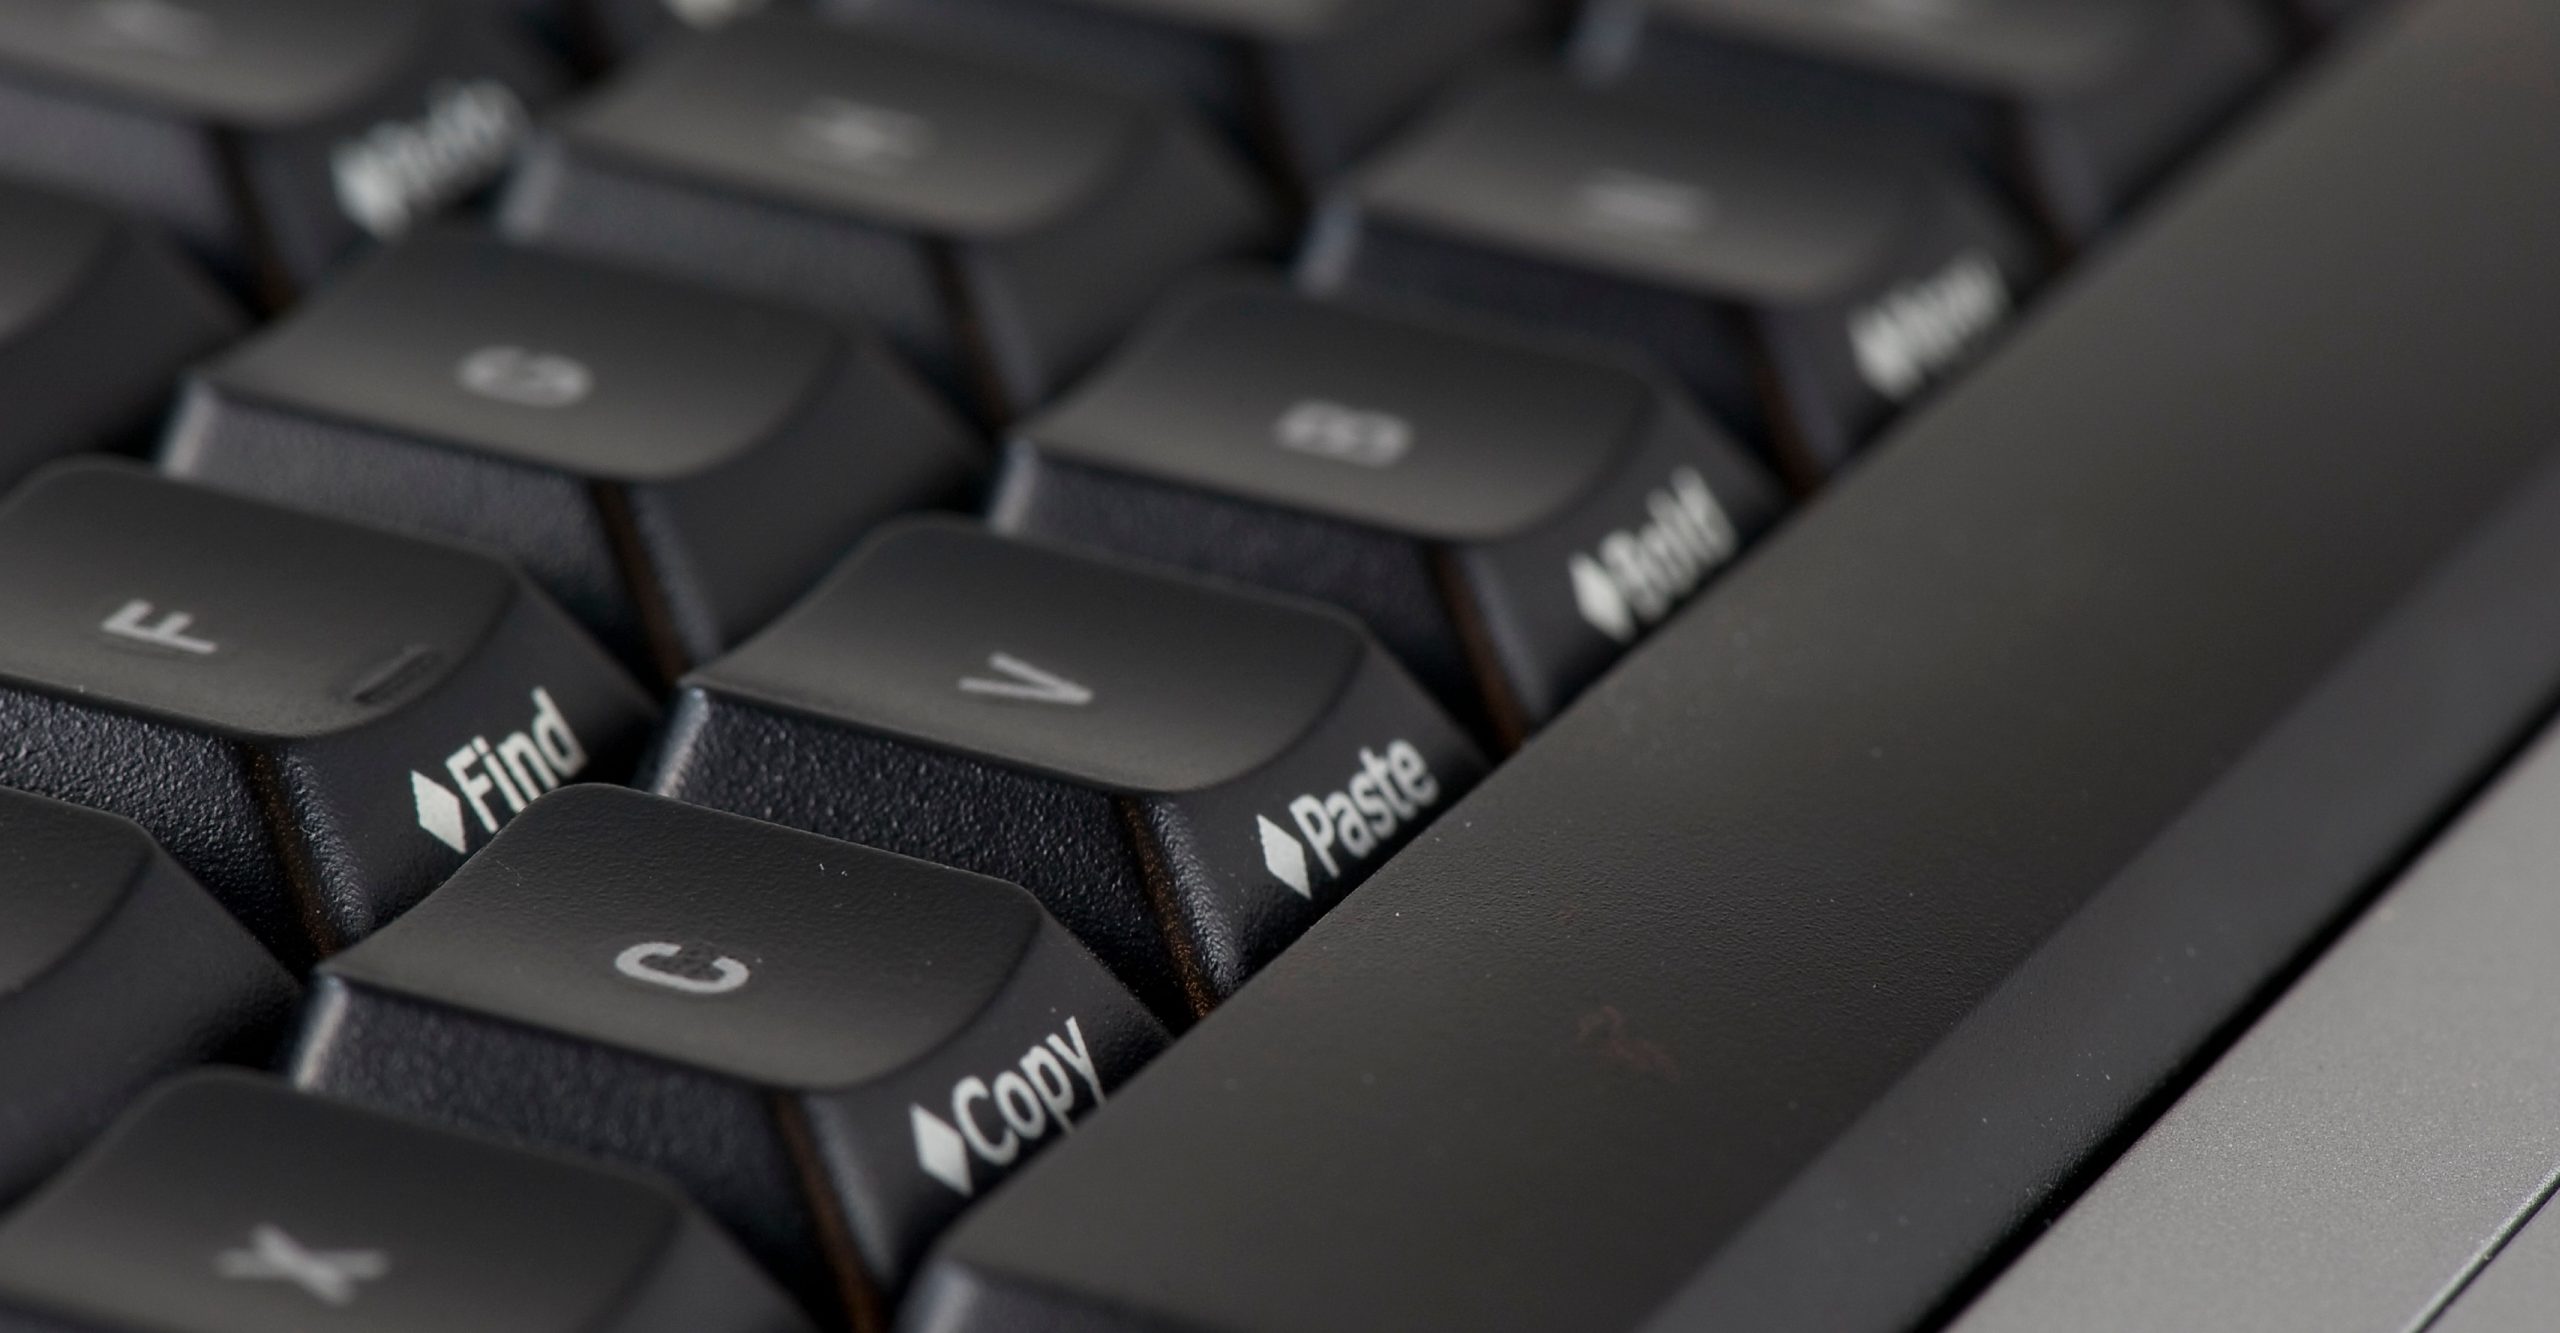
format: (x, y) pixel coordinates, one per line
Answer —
(1807, 219)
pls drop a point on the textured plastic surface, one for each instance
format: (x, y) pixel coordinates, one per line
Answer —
(1795, 970)
(1114, 739)
(292, 705)
(760, 1013)
(1467, 496)
(115, 969)
(227, 1204)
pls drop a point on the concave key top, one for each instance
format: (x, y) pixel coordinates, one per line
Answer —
(1187, 775)
(319, 720)
(674, 465)
(1506, 514)
(115, 969)
(1003, 225)
(2078, 105)
(97, 318)
(834, 1049)
(1806, 281)
(1311, 83)
(227, 1204)
(269, 135)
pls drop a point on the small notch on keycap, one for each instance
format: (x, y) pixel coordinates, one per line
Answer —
(396, 676)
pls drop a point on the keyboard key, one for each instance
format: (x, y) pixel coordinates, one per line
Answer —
(674, 465)
(1003, 226)
(1773, 257)
(270, 135)
(834, 1049)
(1310, 83)
(621, 28)
(1506, 515)
(97, 318)
(227, 1204)
(2079, 105)
(115, 969)
(1186, 775)
(318, 720)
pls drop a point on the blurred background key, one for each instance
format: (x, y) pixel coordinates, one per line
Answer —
(1308, 84)
(269, 135)
(115, 969)
(674, 465)
(2078, 104)
(1506, 514)
(1002, 225)
(97, 317)
(1805, 280)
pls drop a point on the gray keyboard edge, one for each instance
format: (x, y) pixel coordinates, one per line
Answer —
(2370, 1143)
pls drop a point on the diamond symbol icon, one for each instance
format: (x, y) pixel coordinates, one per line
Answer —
(439, 812)
(940, 1150)
(1601, 601)
(1285, 858)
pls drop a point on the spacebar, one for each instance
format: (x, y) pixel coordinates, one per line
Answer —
(1827, 945)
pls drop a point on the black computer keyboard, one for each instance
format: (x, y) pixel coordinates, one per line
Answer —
(1256, 666)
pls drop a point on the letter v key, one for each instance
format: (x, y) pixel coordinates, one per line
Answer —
(1027, 683)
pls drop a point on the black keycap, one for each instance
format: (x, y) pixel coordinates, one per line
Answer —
(1787, 980)
(2079, 105)
(97, 318)
(834, 1049)
(1002, 225)
(227, 1204)
(2326, 16)
(1311, 84)
(115, 969)
(269, 135)
(1506, 515)
(317, 719)
(674, 465)
(1186, 775)
(1801, 279)
(618, 29)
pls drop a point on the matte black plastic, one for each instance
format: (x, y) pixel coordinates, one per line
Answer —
(675, 465)
(1505, 514)
(2077, 106)
(227, 1204)
(801, 1031)
(283, 699)
(1798, 970)
(115, 969)
(1308, 84)
(1000, 223)
(97, 317)
(270, 135)
(1133, 746)
(1804, 278)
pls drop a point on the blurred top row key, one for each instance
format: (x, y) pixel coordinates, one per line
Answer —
(1002, 225)
(269, 135)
